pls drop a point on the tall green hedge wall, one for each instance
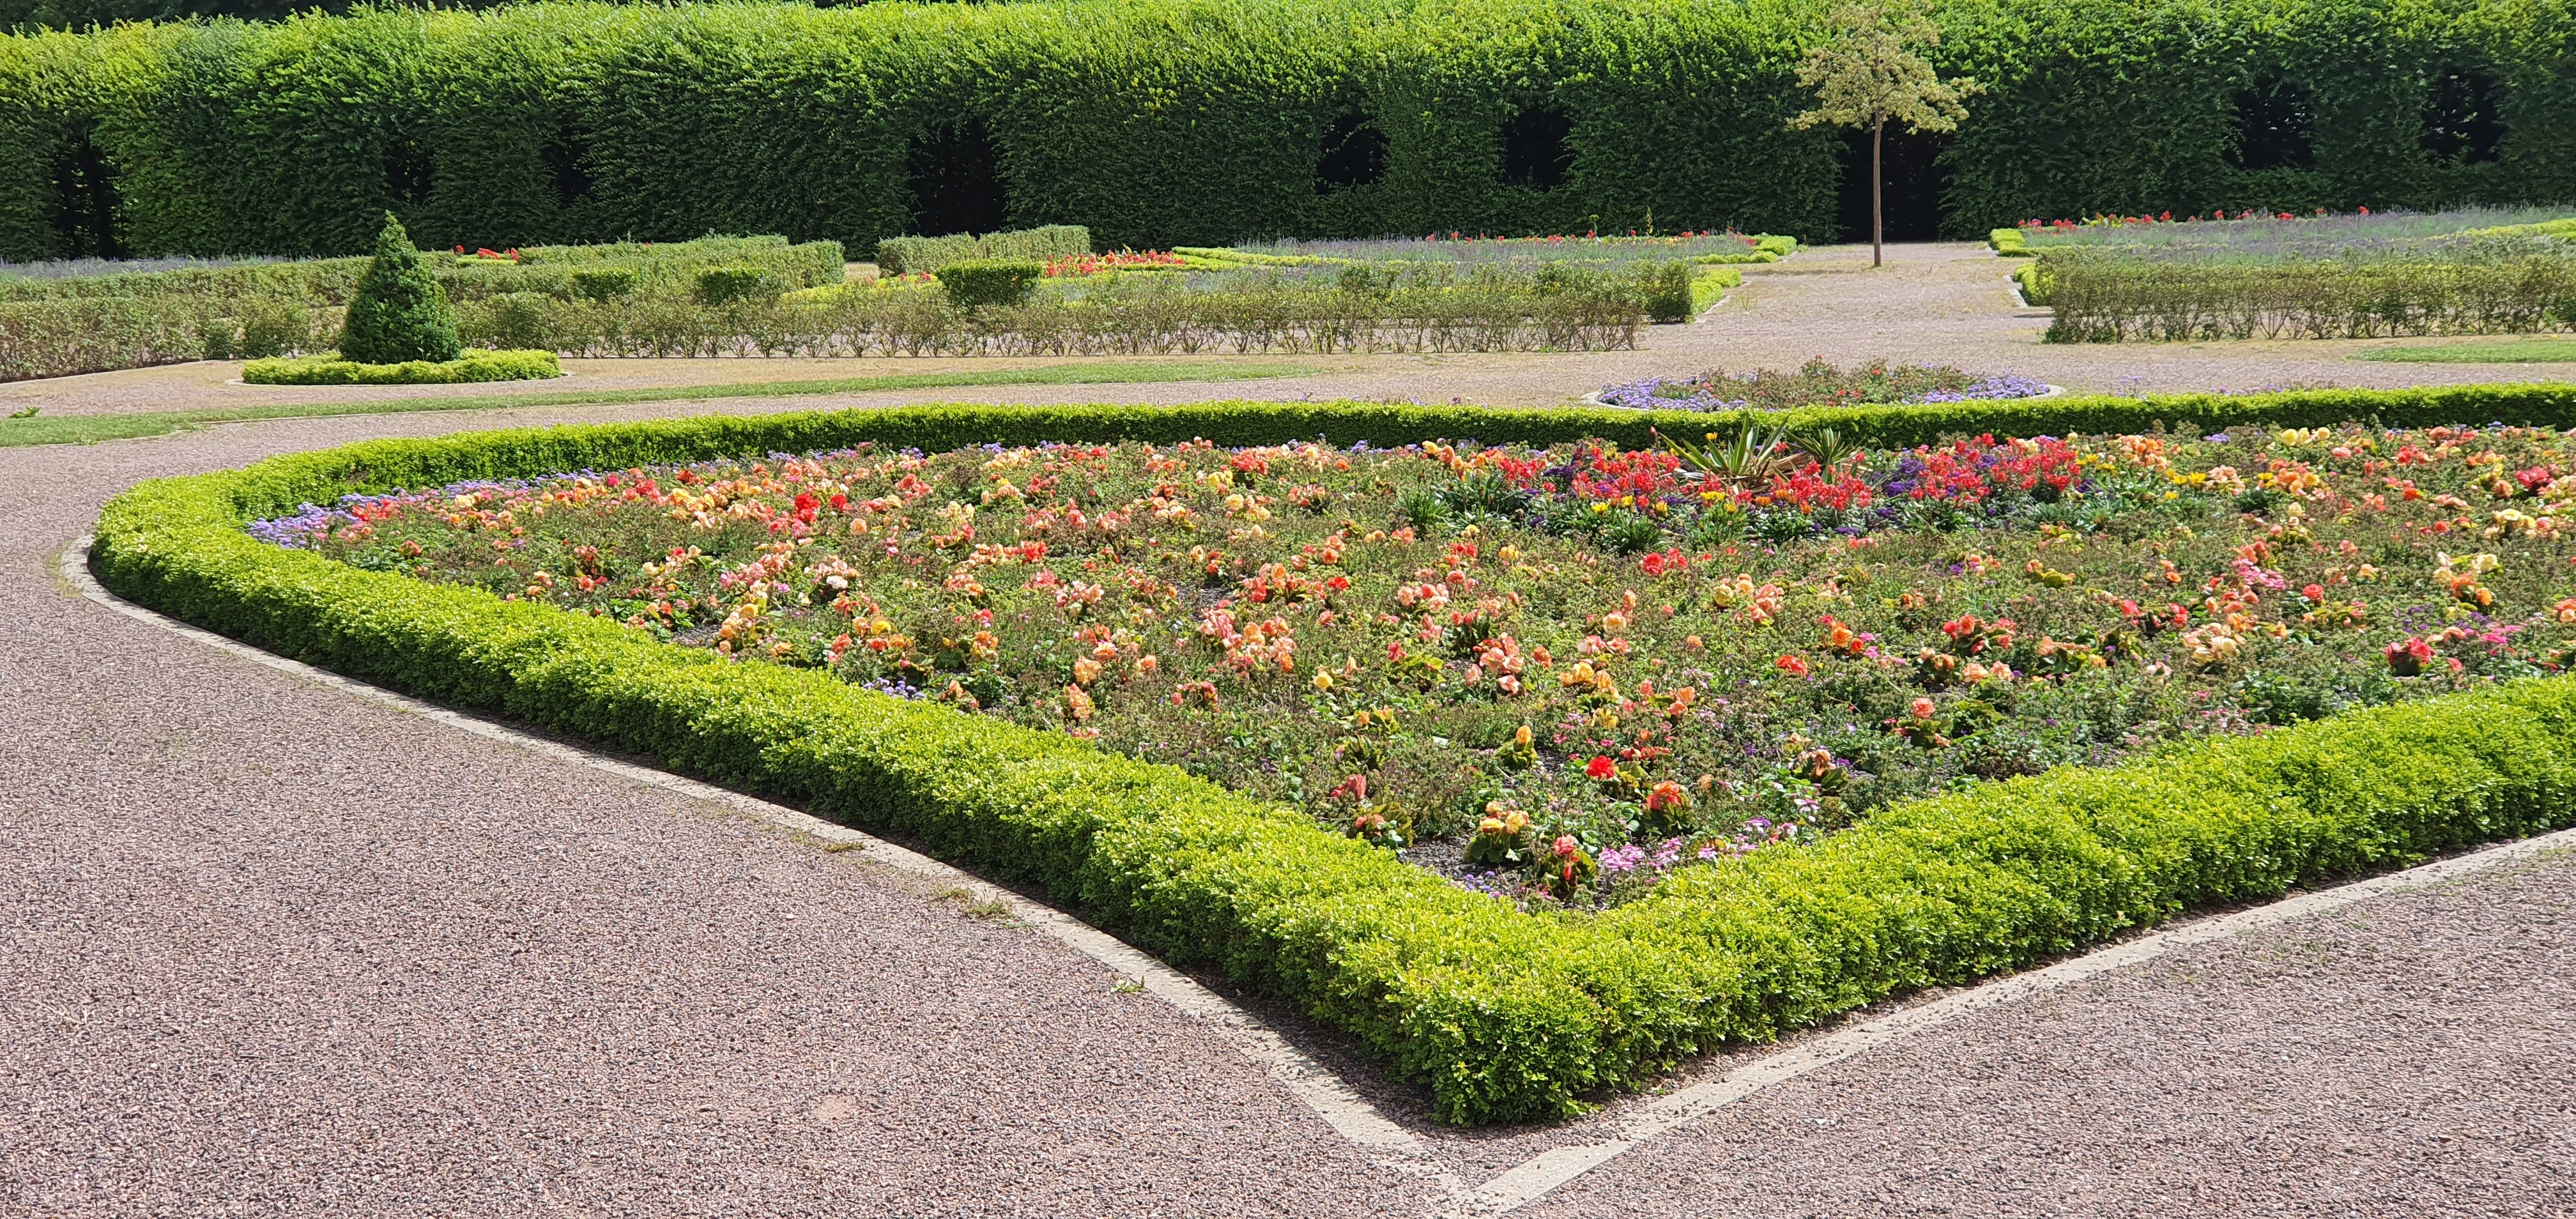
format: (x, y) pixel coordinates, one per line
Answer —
(1159, 122)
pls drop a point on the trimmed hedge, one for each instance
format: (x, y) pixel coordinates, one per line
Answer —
(554, 270)
(2009, 243)
(1503, 1016)
(563, 122)
(2035, 281)
(975, 282)
(926, 255)
(471, 366)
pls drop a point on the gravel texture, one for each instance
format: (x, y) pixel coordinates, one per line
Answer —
(2412, 1055)
(269, 949)
(1942, 303)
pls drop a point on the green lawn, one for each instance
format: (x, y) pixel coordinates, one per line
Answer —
(89, 429)
(2510, 351)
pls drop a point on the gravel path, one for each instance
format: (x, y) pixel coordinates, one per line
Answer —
(270, 949)
(1941, 304)
(2407, 1057)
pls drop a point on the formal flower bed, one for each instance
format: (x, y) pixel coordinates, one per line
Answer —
(1563, 674)
(1816, 383)
(1077, 266)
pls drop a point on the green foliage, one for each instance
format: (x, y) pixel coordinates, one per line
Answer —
(976, 283)
(1503, 1016)
(1134, 315)
(1871, 72)
(399, 314)
(2035, 282)
(560, 122)
(470, 365)
(58, 338)
(716, 286)
(1708, 288)
(2103, 298)
(515, 321)
(603, 285)
(926, 255)
(1666, 288)
(2008, 243)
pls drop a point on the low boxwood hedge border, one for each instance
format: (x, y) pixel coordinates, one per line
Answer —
(1503, 1016)
(473, 366)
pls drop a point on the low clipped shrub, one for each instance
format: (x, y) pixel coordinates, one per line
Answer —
(399, 314)
(926, 255)
(720, 286)
(604, 284)
(472, 365)
(2033, 279)
(512, 322)
(2107, 298)
(274, 327)
(1503, 1016)
(1665, 290)
(67, 336)
(1709, 287)
(981, 282)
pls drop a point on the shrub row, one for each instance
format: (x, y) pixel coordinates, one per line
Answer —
(1503, 1016)
(926, 255)
(61, 338)
(667, 268)
(2109, 299)
(568, 122)
(974, 282)
(2008, 243)
(474, 365)
(1140, 315)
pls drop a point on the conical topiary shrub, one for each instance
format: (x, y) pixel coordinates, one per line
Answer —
(399, 312)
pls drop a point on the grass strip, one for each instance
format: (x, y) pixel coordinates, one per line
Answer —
(91, 429)
(2515, 351)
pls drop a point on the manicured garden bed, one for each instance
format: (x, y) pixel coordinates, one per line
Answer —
(472, 366)
(1817, 382)
(1506, 1009)
(2275, 275)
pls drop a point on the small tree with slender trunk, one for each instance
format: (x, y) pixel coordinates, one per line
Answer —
(1868, 75)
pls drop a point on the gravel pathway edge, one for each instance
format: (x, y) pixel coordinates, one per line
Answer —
(1541, 1175)
(1350, 1115)
(1343, 1109)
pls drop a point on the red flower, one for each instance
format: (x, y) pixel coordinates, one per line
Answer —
(1792, 666)
(1601, 767)
(2407, 657)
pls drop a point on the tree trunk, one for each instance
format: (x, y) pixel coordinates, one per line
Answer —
(1877, 206)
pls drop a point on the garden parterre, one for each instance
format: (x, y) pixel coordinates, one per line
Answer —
(1581, 667)
(1816, 383)
(1502, 1015)
(2465, 271)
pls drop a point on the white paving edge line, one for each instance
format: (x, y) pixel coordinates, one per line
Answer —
(1350, 1115)
(1537, 1177)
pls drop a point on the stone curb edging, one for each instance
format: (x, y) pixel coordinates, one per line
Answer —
(1349, 1114)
